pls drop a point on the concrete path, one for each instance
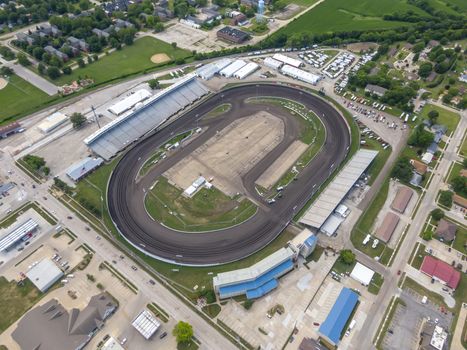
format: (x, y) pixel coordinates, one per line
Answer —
(457, 337)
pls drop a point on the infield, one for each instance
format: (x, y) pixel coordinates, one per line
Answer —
(160, 58)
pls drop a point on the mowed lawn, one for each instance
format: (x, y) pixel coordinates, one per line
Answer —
(448, 118)
(347, 15)
(129, 60)
(18, 98)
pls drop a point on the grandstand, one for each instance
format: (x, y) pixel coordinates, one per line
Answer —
(124, 130)
(256, 280)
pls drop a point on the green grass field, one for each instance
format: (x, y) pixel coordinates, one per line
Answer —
(130, 60)
(348, 15)
(446, 117)
(208, 209)
(18, 98)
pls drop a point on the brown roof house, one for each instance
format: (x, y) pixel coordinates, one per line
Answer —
(446, 230)
(419, 167)
(387, 227)
(459, 200)
(51, 327)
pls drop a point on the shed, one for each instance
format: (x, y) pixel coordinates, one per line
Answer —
(427, 157)
(402, 199)
(446, 230)
(387, 227)
(362, 274)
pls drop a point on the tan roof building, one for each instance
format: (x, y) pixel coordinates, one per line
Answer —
(402, 199)
(459, 200)
(446, 230)
(419, 167)
(463, 173)
(387, 227)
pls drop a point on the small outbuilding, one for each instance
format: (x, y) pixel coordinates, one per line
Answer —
(362, 274)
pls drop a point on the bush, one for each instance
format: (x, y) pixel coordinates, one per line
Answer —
(437, 214)
(445, 198)
(248, 304)
(209, 295)
(347, 256)
(66, 70)
(427, 235)
(91, 277)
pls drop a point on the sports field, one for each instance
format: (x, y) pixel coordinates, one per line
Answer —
(18, 98)
(129, 60)
(347, 15)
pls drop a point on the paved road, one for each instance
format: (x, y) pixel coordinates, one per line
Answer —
(208, 336)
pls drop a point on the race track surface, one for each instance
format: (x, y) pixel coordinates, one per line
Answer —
(126, 195)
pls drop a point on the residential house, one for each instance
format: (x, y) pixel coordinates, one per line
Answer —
(54, 52)
(78, 43)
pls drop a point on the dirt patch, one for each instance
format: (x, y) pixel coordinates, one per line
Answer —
(289, 11)
(3, 83)
(231, 153)
(160, 58)
(357, 47)
(282, 164)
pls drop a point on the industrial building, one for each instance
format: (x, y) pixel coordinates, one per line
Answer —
(52, 122)
(82, 168)
(273, 63)
(230, 70)
(300, 74)
(20, 234)
(44, 274)
(128, 128)
(50, 326)
(304, 243)
(233, 35)
(362, 274)
(287, 60)
(9, 129)
(129, 102)
(402, 199)
(331, 197)
(146, 324)
(256, 280)
(440, 271)
(387, 227)
(332, 328)
(246, 70)
(209, 70)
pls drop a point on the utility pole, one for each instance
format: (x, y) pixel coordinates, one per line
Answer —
(95, 117)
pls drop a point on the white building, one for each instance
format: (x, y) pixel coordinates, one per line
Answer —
(331, 225)
(208, 71)
(52, 122)
(129, 102)
(439, 338)
(146, 324)
(287, 60)
(44, 274)
(427, 158)
(300, 74)
(362, 274)
(112, 344)
(230, 70)
(272, 63)
(246, 70)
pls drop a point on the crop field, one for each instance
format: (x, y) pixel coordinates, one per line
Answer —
(18, 98)
(347, 15)
(129, 60)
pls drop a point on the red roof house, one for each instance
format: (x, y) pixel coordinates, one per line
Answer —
(440, 270)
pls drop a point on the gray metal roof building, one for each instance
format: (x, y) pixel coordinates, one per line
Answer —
(83, 167)
(146, 324)
(44, 274)
(121, 132)
(52, 327)
(330, 198)
(11, 239)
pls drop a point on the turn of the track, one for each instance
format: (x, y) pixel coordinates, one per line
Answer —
(126, 192)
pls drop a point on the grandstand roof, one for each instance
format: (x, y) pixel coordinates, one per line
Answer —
(330, 198)
(10, 239)
(128, 102)
(331, 329)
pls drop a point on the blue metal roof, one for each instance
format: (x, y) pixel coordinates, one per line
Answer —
(311, 241)
(334, 324)
(262, 280)
(264, 289)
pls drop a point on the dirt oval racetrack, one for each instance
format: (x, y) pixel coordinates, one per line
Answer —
(126, 195)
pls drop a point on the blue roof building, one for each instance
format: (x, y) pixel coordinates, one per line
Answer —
(332, 328)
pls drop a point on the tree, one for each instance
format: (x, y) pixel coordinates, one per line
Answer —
(402, 170)
(159, 27)
(154, 84)
(248, 304)
(445, 198)
(183, 331)
(53, 72)
(347, 256)
(174, 45)
(425, 69)
(437, 214)
(427, 235)
(42, 68)
(66, 70)
(459, 185)
(77, 119)
(433, 116)
(23, 60)
(81, 63)
(420, 137)
(7, 71)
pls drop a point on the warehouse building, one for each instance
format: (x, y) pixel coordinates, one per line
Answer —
(129, 102)
(387, 227)
(233, 35)
(230, 70)
(287, 60)
(362, 274)
(20, 234)
(272, 63)
(52, 122)
(128, 128)
(52, 327)
(300, 74)
(402, 199)
(336, 191)
(146, 324)
(208, 71)
(440, 271)
(256, 280)
(246, 70)
(44, 274)
(332, 328)
(82, 168)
